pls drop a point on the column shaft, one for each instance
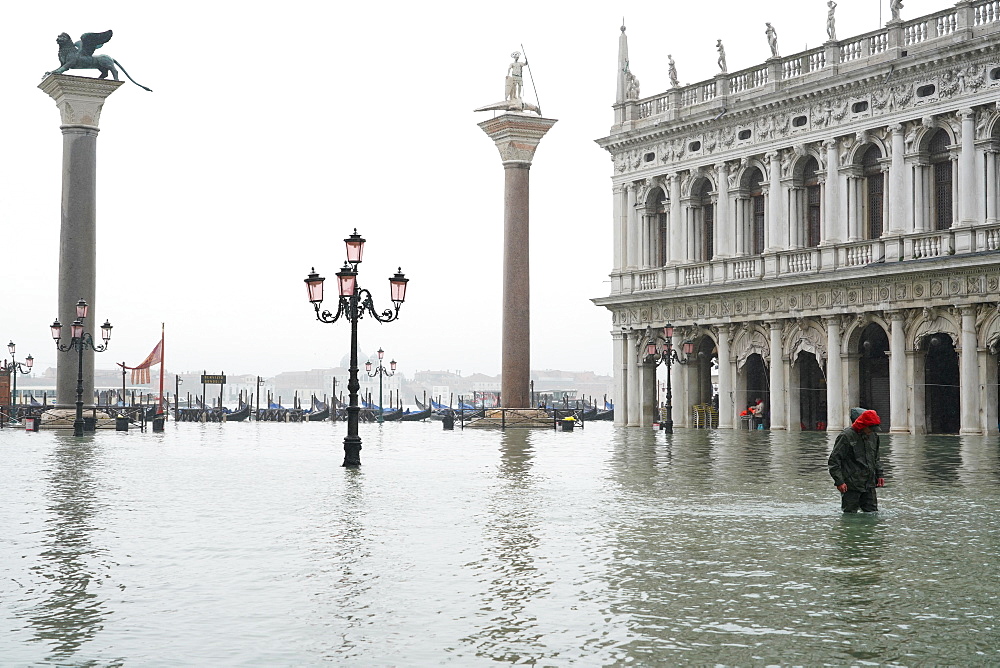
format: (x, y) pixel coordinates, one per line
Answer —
(779, 402)
(897, 375)
(970, 397)
(970, 187)
(726, 389)
(632, 237)
(835, 378)
(516, 366)
(897, 184)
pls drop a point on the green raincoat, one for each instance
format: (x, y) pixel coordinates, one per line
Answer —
(854, 459)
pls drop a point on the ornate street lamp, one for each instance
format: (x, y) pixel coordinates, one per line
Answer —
(80, 340)
(13, 367)
(353, 303)
(666, 354)
(380, 371)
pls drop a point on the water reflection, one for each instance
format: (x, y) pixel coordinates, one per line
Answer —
(73, 610)
(510, 541)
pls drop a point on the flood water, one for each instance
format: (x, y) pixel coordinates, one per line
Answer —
(248, 545)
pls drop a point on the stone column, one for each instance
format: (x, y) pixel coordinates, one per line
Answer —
(632, 230)
(991, 186)
(619, 227)
(516, 137)
(897, 373)
(779, 402)
(897, 184)
(632, 417)
(723, 236)
(831, 214)
(619, 342)
(834, 377)
(726, 389)
(969, 397)
(676, 220)
(80, 100)
(741, 222)
(775, 239)
(967, 175)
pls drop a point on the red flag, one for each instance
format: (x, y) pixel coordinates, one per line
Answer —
(140, 373)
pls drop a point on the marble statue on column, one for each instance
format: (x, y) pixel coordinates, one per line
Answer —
(894, 7)
(80, 56)
(722, 55)
(513, 89)
(831, 21)
(672, 71)
(631, 85)
(772, 40)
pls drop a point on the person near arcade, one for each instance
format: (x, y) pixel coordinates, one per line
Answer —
(854, 463)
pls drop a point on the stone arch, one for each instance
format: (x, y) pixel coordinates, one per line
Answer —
(857, 152)
(808, 336)
(697, 183)
(751, 339)
(852, 334)
(655, 198)
(989, 331)
(927, 132)
(747, 167)
(933, 322)
(799, 165)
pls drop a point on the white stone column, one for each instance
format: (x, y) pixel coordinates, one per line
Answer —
(896, 190)
(834, 377)
(619, 341)
(632, 233)
(723, 233)
(779, 400)
(898, 379)
(619, 227)
(991, 186)
(795, 218)
(832, 229)
(741, 222)
(919, 199)
(647, 401)
(726, 388)
(776, 239)
(676, 220)
(634, 398)
(967, 176)
(970, 397)
(853, 226)
(80, 101)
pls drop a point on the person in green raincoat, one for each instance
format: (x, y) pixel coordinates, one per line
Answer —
(854, 463)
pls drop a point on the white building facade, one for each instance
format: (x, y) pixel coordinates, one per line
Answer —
(824, 225)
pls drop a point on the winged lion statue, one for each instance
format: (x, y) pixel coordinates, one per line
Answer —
(80, 56)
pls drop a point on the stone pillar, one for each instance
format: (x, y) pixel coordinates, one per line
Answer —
(919, 198)
(723, 239)
(779, 402)
(834, 377)
(726, 389)
(619, 227)
(516, 137)
(831, 214)
(619, 341)
(776, 240)
(676, 220)
(634, 386)
(897, 184)
(991, 187)
(969, 397)
(647, 401)
(632, 230)
(80, 100)
(967, 175)
(897, 373)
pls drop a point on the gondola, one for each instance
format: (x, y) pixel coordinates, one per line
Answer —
(416, 416)
(320, 415)
(239, 415)
(391, 416)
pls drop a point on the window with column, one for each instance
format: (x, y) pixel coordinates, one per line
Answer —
(942, 180)
(813, 212)
(661, 230)
(874, 192)
(706, 248)
(757, 221)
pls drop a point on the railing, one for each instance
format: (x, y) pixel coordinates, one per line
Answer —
(799, 262)
(989, 239)
(859, 254)
(747, 80)
(878, 43)
(694, 275)
(987, 13)
(817, 61)
(791, 68)
(745, 269)
(932, 244)
(946, 24)
(915, 33)
(708, 92)
(649, 280)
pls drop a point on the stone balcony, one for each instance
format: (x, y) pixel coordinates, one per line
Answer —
(960, 245)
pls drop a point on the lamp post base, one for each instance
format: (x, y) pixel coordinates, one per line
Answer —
(352, 451)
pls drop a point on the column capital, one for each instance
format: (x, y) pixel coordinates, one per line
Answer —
(79, 99)
(967, 114)
(517, 135)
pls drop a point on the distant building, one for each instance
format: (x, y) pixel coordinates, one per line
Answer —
(824, 225)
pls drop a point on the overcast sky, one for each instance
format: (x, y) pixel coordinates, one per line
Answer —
(277, 128)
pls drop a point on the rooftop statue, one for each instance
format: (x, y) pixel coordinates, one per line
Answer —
(722, 55)
(894, 7)
(80, 56)
(772, 40)
(672, 71)
(831, 22)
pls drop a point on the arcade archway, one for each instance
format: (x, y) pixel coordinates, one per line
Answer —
(873, 371)
(942, 394)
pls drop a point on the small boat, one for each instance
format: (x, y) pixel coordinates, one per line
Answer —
(391, 416)
(320, 415)
(416, 416)
(239, 415)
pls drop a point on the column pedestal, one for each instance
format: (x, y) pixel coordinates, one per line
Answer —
(516, 136)
(80, 100)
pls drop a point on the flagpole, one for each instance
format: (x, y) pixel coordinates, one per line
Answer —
(162, 367)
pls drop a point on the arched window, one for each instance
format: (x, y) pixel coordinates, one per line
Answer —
(654, 231)
(874, 192)
(941, 174)
(810, 180)
(757, 222)
(707, 236)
